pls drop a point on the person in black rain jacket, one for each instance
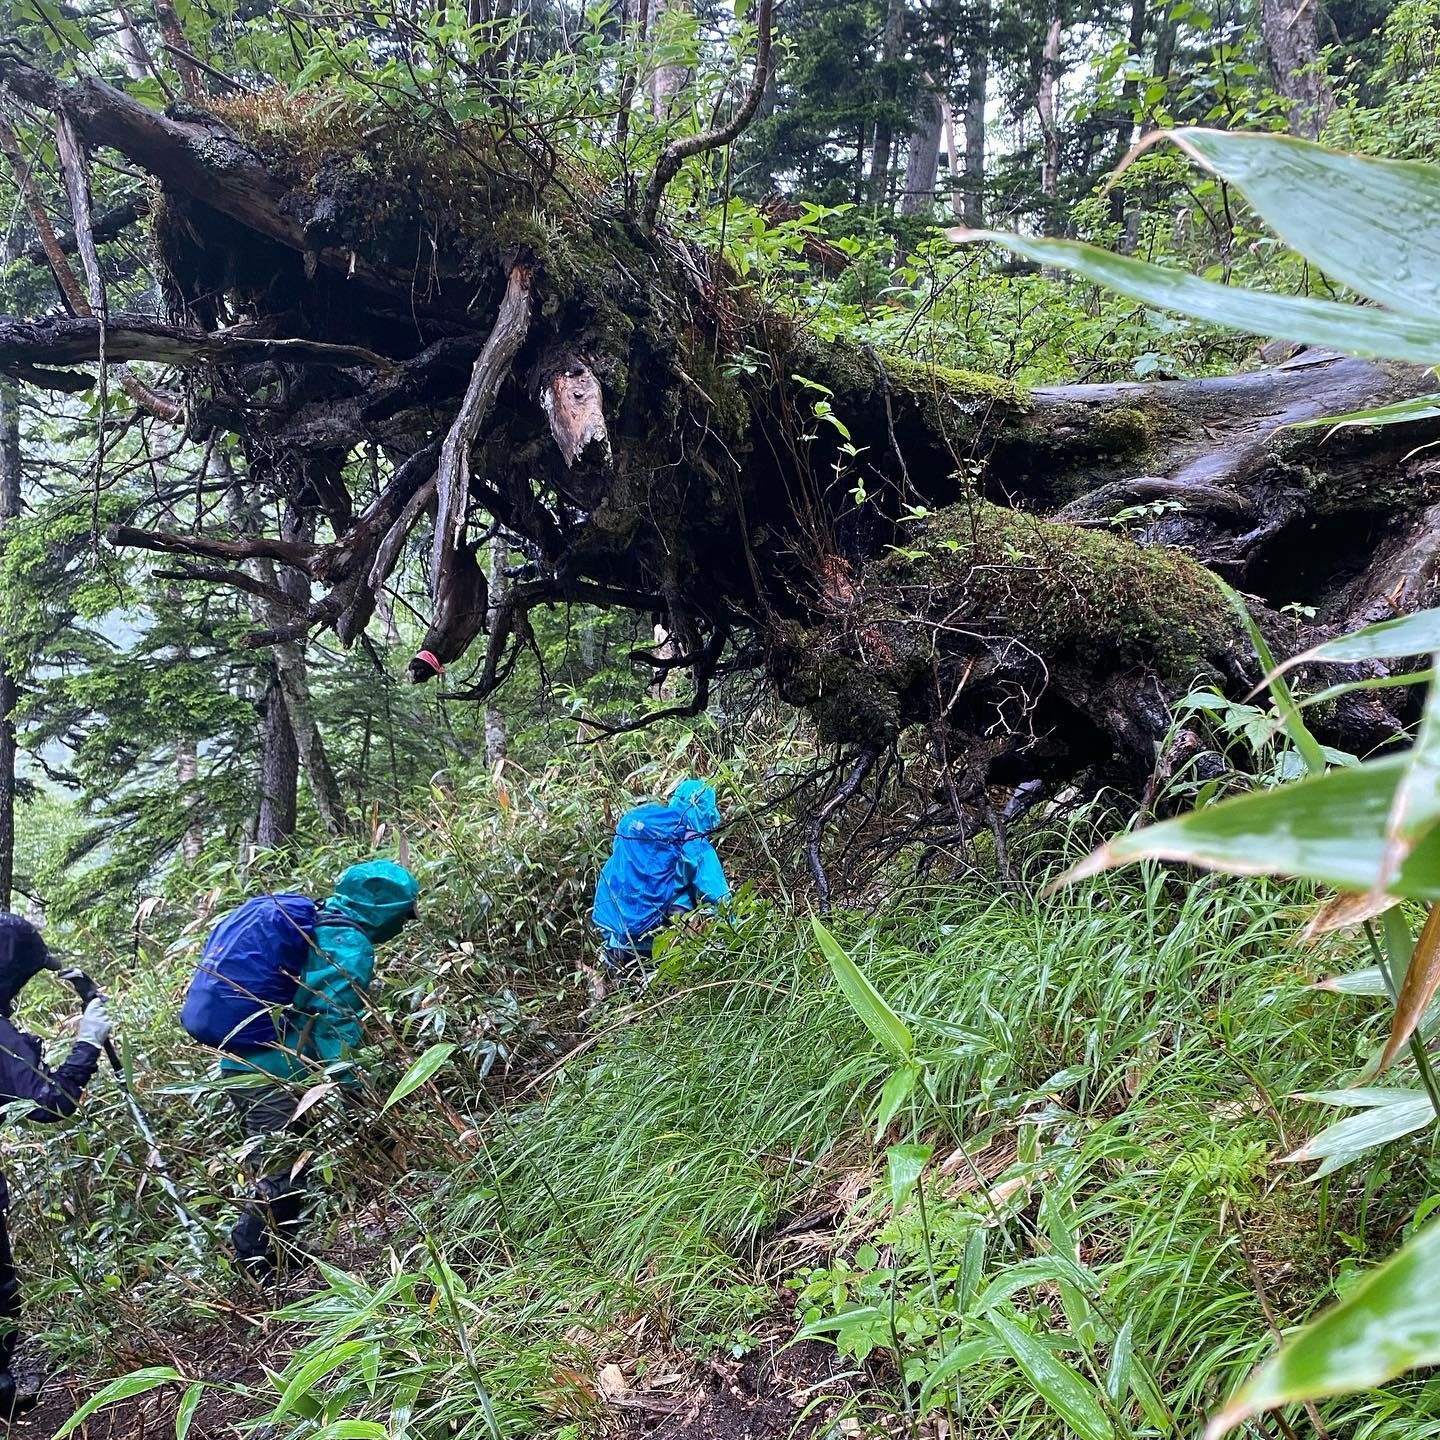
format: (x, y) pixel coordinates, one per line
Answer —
(53, 1095)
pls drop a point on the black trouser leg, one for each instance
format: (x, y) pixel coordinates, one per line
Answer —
(9, 1287)
(271, 1215)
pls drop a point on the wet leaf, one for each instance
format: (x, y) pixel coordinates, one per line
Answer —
(1071, 1397)
(1388, 1324)
(1350, 329)
(904, 1165)
(1359, 982)
(1402, 412)
(1397, 1114)
(1373, 224)
(867, 1002)
(1398, 639)
(316, 1368)
(138, 1382)
(185, 1415)
(1331, 828)
(1416, 807)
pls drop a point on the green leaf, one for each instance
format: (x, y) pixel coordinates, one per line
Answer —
(905, 1164)
(185, 1415)
(1373, 224)
(402, 1408)
(896, 1091)
(1295, 727)
(1374, 682)
(964, 1356)
(303, 1381)
(1368, 1097)
(126, 1387)
(1061, 1388)
(1399, 1114)
(1402, 638)
(1331, 828)
(1401, 412)
(419, 1072)
(1073, 1299)
(867, 1002)
(350, 1430)
(1348, 328)
(858, 1314)
(1388, 1324)
(1368, 981)
(1416, 807)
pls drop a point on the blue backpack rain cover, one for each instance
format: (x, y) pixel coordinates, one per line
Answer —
(248, 972)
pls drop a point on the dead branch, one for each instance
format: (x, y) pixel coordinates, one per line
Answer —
(287, 552)
(864, 763)
(452, 481)
(77, 341)
(112, 223)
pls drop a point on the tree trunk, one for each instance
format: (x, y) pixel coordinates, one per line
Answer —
(293, 674)
(1045, 106)
(1139, 25)
(279, 770)
(953, 161)
(10, 473)
(668, 82)
(495, 737)
(892, 46)
(1293, 47)
(976, 87)
(1121, 200)
(922, 164)
(187, 777)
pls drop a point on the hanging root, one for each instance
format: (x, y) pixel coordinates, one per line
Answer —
(852, 782)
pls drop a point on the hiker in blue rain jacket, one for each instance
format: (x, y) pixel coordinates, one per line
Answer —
(52, 1095)
(662, 864)
(320, 1032)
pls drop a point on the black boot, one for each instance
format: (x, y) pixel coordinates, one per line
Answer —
(250, 1239)
(12, 1401)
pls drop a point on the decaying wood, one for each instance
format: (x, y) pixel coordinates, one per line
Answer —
(571, 398)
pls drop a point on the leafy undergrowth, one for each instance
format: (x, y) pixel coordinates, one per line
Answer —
(619, 1221)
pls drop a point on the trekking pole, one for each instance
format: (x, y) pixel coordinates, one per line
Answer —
(88, 990)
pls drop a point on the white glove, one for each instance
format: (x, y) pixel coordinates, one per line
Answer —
(95, 1024)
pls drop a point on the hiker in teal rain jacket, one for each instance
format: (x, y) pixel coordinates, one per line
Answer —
(663, 864)
(322, 1030)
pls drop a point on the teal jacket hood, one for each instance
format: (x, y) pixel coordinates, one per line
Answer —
(695, 801)
(378, 895)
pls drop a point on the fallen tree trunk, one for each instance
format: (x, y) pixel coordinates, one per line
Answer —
(1027, 575)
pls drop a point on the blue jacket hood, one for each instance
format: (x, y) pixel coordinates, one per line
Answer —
(695, 802)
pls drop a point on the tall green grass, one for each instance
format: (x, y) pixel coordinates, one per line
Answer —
(1120, 1062)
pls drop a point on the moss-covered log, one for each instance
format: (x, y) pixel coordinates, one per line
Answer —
(1025, 574)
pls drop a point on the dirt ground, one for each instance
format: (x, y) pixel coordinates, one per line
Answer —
(783, 1392)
